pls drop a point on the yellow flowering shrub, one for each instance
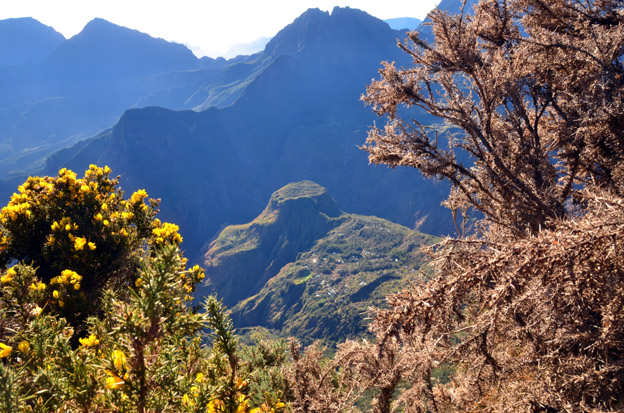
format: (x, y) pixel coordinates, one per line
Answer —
(97, 314)
(84, 225)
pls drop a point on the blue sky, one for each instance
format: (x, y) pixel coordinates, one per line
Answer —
(208, 27)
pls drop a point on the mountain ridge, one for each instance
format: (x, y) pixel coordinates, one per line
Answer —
(305, 268)
(26, 41)
(299, 118)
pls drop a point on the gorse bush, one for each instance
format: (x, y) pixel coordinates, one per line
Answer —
(96, 315)
(81, 235)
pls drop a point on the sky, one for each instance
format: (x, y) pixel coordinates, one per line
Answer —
(208, 27)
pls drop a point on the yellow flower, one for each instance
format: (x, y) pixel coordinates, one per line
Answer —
(215, 405)
(55, 294)
(61, 303)
(24, 346)
(77, 286)
(114, 382)
(123, 232)
(55, 226)
(167, 232)
(119, 359)
(104, 207)
(84, 188)
(105, 222)
(242, 404)
(240, 383)
(138, 282)
(91, 246)
(37, 311)
(37, 286)
(98, 217)
(5, 350)
(67, 277)
(138, 196)
(79, 243)
(200, 378)
(7, 278)
(51, 240)
(91, 341)
(187, 400)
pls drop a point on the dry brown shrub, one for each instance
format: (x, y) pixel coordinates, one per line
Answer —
(531, 324)
(528, 309)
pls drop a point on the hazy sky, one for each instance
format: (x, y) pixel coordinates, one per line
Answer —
(211, 26)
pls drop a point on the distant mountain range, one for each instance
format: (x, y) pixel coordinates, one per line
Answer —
(298, 118)
(242, 49)
(59, 91)
(25, 41)
(304, 268)
(289, 113)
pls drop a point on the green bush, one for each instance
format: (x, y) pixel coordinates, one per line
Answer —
(96, 315)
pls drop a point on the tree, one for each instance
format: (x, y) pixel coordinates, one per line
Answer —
(535, 89)
(528, 310)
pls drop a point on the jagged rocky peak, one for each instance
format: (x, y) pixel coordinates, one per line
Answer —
(290, 39)
(315, 26)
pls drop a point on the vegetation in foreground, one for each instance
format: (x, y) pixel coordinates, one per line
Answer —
(528, 307)
(525, 313)
(96, 315)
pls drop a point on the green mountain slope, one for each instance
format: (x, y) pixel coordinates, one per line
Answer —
(304, 268)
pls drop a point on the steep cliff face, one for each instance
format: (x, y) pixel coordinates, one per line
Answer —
(307, 269)
(244, 257)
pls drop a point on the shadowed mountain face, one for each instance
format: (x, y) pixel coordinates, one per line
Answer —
(304, 268)
(25, 41)
(299, 119)
(85, 83)
(103, 51)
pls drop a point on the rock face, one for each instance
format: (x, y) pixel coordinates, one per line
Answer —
(305, 268)
(244, 257)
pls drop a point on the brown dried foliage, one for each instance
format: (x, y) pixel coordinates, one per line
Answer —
(536, 88)
(529, 310)
(530, 324)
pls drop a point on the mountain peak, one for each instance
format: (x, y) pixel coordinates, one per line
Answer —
(25, 40)
(102, 28)
(102, 45)
(98, 21)
(319, 30)
(296, 216)
(403, 23)
(289, 40)
(304, 190)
